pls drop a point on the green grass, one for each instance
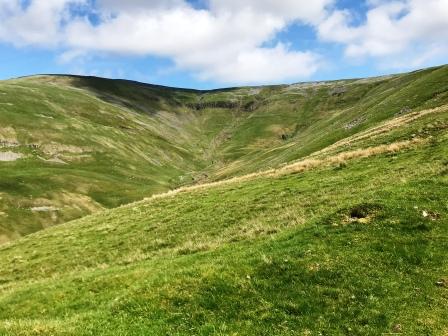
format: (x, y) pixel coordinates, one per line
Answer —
(356, 248)
(351, 239)
(119, 141)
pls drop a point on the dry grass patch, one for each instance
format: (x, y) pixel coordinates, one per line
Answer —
(56, 148)
(299, 166)
(8, 134)
(36, 327)
(385, 127)
(190, 247)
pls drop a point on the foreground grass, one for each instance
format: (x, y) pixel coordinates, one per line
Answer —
(356, 247)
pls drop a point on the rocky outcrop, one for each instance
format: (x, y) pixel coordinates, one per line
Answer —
(249, 106)
(214, 104)
(338, 91)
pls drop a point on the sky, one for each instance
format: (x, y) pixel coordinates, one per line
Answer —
(218, 43)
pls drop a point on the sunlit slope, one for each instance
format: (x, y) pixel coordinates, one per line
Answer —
(294, 121)
(70, 146)
(77, 152)
(351, 240)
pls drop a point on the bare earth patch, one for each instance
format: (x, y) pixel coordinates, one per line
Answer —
(44, 209)
(55, 148)
(10, 156)
(53, 160)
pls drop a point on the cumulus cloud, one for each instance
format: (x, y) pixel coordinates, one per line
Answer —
(222, 41)
(263, 65)
(305, 11)
(216, 43)
(118, 6)
(38, 23)
(227, 40)
(391, 28)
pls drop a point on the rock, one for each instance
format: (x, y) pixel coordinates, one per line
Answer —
(8, 144)
(442, 283)
(355, 122)
(250, 106)
(430, 215)
(44, 209)
(214, 104)
(404, 110)
(397, 328)
(338, 91)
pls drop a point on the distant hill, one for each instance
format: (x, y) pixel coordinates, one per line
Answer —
(71, 145)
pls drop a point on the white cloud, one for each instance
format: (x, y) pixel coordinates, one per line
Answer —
(222, 42)
(226, 40)
(304, 11)
(39, 23)
(119, 6)
(392, 28)
(215, 43)
(172, 32)
(263, 65)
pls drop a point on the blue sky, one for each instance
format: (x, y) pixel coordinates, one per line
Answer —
(216, 43)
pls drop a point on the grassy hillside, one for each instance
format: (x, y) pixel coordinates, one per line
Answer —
(351, 239)
(71, 146)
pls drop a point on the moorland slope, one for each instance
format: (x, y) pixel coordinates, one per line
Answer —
(71, 146)
(346, 235)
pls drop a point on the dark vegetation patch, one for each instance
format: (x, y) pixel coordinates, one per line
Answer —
(360, 213)
(363, 210)
(214, 105)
